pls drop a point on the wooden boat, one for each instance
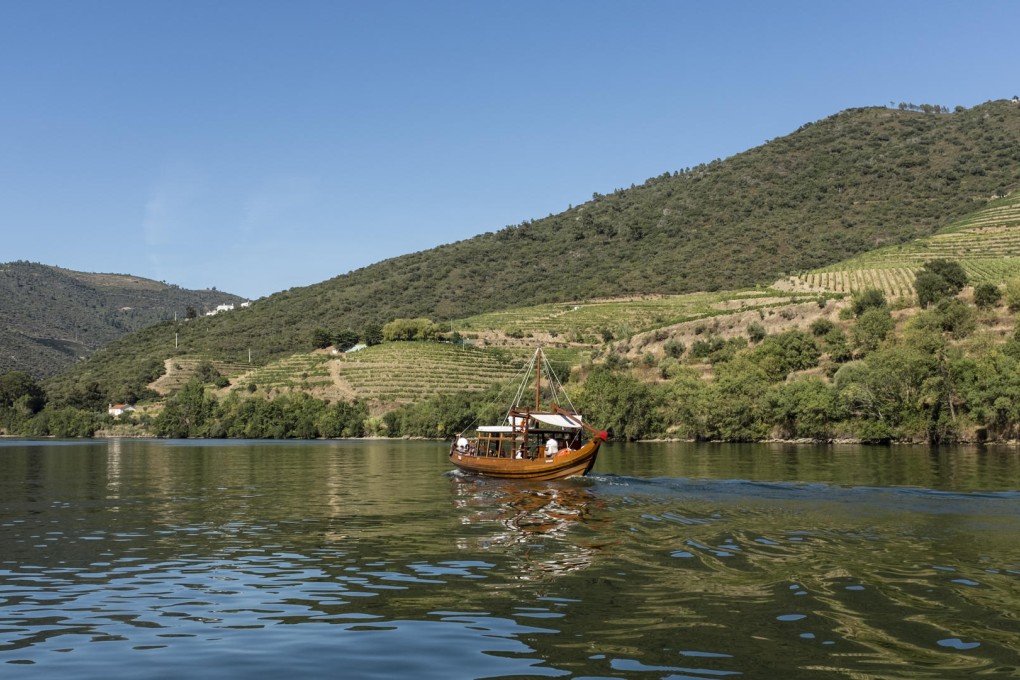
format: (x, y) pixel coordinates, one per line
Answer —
(533, 442)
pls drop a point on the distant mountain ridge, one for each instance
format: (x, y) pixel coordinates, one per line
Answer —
(50, 317)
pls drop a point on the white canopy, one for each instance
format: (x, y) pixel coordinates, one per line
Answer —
(555, 419)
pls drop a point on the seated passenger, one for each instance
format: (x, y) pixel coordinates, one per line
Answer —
(551, 447)
(462, 443)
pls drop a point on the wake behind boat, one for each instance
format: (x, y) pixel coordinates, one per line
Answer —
(532, 442)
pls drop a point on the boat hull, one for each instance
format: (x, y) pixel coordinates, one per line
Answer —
(573, 464)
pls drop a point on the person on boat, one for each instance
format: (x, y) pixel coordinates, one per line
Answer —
(520, 453)
(462, 443)
(551, 447)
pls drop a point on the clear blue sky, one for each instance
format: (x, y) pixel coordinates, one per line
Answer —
(255, 146)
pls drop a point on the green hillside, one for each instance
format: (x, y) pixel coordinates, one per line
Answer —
(396, 373)
(53, 317)
(860, 179)
(593, 322)
(986, 243)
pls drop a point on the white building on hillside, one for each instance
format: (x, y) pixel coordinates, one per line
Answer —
(116, 410)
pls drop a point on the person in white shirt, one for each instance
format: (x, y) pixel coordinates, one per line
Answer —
(551, 447)
(462, 443)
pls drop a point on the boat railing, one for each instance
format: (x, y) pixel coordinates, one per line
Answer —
(530, 444)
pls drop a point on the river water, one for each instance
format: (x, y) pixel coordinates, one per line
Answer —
(163, 559)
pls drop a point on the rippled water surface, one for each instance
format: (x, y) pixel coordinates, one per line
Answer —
(156, 559)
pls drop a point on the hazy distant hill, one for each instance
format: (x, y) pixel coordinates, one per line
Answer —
(51, 317)
(850, 183)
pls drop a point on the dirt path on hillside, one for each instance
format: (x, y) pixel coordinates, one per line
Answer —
(163, 384)
(341, 388)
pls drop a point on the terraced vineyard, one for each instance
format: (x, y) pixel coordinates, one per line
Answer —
(584, 322)
(298, 371)
(986, 243)
(395, 373)
(400, 372)
(895, 282)
(180, 370)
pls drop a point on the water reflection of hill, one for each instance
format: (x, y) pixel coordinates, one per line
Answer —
(957, 468)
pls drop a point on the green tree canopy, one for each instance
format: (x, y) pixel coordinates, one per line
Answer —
(937, 280)
(950, 270)
(20, 387)
(781, 353)
(321, 338)
(931, 288)
(618, 402)
(821, 326)
(956, 317)
(871, 329)
(186, 413)
(372, 334)
(1012, 294)
(987, 295)
(869, 298)
(411, 329)
(344, 339)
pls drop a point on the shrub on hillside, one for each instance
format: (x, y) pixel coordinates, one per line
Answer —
(956, 317)
(939, 279)
(871, 329)
(1012, 294)
(838, 347)
(702, 349)
(674, 348)
(951, 272)
(821, 326)
(344, 339)
(869, 298)
(931, 288)
(320, 338)
(756, 332)
(987, 295)
(372, 334)
(782, 353)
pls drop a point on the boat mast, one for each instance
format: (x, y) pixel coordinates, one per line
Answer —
(538, 375)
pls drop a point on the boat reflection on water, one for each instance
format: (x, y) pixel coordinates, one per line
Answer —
(540, 525)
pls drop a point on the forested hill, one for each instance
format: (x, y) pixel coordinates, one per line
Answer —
(852, 182)
(857, 180)
(52, 317)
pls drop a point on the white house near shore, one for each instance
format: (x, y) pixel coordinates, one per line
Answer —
(116, 410)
